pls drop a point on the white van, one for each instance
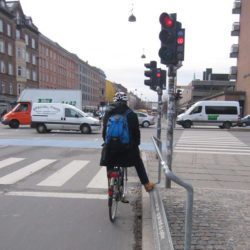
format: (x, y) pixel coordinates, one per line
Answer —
(221, 113)
(58, 116)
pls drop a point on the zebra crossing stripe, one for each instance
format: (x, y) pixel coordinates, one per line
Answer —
(64, 174)
(25, 171)
(57, 195)
(100, 180)
(9, 161)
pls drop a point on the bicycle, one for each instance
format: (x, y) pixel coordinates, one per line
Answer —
(117, 188)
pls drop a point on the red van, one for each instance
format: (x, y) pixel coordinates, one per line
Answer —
(19, 115)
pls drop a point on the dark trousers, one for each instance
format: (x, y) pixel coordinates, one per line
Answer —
(141, 172)
(140, 169)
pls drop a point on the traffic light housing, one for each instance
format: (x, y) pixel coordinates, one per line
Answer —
(168, 38)
(172, 37)
(180, 42)
(159, 79)
(178, 94)
(150, 73)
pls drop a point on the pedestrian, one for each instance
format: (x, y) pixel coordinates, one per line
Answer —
(131, 156)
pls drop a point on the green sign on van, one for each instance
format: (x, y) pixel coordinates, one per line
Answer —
(212, 117)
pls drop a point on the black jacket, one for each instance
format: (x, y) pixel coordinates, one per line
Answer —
(129, 157)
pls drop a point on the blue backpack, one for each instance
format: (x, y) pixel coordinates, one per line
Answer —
(117, 133)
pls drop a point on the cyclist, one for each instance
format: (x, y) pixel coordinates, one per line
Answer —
(130, 157)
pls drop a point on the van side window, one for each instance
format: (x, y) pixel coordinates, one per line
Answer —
(196, 110)
(71, 113)
(225, 110)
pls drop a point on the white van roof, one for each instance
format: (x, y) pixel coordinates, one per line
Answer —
(221, 103)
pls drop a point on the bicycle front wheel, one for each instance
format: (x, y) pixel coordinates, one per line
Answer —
(113, 203)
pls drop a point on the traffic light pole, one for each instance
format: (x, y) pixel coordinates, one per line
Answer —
(159, 111)
(170, 119)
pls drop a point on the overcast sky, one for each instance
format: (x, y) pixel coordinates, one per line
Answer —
(98, 31)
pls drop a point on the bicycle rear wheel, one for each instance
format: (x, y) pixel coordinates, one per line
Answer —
(113, 201)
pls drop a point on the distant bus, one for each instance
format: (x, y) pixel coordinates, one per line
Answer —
(224, 114)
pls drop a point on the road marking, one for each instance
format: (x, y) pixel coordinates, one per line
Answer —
(64, 174)
(9, 161)
(58, 195)
(210, 152)
(26, 171)
(100, 180)
(215, 148)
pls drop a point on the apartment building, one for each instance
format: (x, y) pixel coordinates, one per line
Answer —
(8, 87)
(92, 83)
(241, 51)
(29, 59)
(57, 67)
(26, 48)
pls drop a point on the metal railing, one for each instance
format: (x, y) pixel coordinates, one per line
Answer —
(189, 201)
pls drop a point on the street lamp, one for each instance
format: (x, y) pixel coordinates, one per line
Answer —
(132, 18)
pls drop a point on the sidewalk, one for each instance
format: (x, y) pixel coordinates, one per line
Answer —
(221, 208)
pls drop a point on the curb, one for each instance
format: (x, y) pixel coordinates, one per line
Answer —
(147, 226)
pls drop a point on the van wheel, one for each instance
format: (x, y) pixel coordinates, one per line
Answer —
(187, 124)
(227, 125)
(14, 124)
(85, 129)
(41, 128)
(145, 124)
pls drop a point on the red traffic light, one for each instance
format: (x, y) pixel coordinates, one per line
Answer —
(166, 20)
(180, 40)
(158, 74)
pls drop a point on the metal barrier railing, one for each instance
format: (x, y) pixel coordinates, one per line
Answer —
(189, 201)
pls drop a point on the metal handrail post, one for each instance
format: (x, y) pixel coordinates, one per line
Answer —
(189, 201)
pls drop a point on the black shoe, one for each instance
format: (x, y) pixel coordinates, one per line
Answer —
(124, 200)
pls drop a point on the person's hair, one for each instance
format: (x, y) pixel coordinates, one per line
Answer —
(120, 97)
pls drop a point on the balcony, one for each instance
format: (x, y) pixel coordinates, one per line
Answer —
(234, 51)
(235, 29)
(233, 73)
(237, 7)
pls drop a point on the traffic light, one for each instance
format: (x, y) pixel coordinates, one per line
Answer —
(178, 94)
(150, 73)
(159, 79)
(167, 37)
(180, 42)
(163, 79)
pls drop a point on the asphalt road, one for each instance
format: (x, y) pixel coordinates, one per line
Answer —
(53, 191)
(53, 196)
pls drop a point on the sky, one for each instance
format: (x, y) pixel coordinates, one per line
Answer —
(98, 31)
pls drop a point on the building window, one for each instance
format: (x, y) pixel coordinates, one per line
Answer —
(2, 67)
(20, 53)
(34, 76)
(28, 74)
(2, 49)
(20, 71)
(27, 57)
(33, 43)
(8, 30)
(18, 34)
(11, 88)
(1, 25)
(34, 59)
(26, 37)
(10, 69)
(3, 88)
(9, 49)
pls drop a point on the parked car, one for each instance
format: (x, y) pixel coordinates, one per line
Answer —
(145, 120)
(245, 121)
